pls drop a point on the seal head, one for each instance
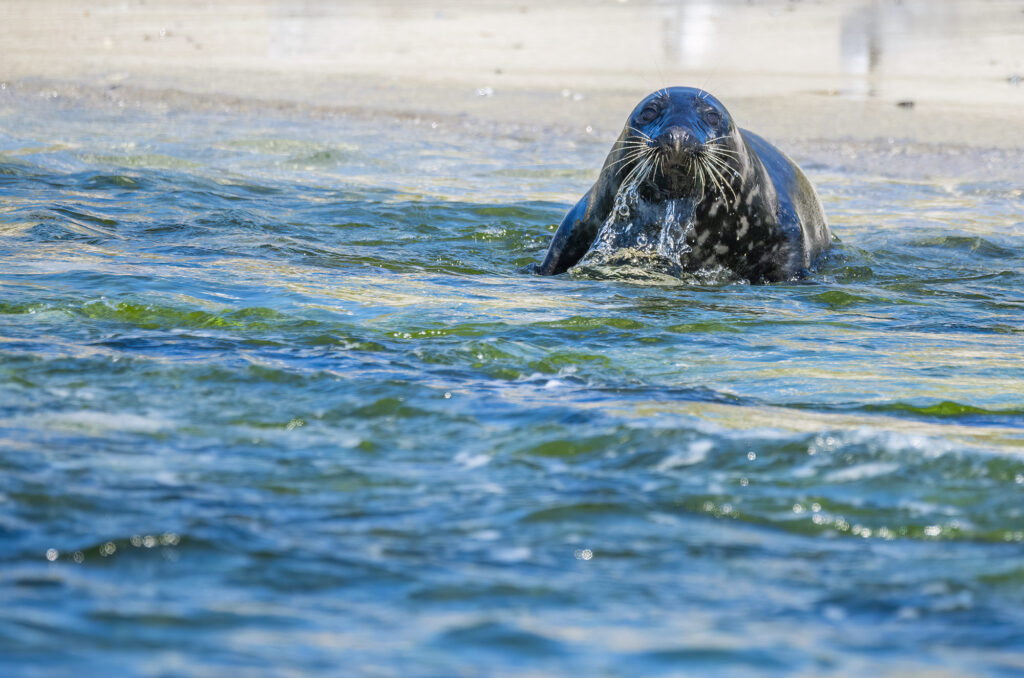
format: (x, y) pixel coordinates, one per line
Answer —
(686, 191)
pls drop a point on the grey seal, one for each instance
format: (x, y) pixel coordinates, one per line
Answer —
(685, 191)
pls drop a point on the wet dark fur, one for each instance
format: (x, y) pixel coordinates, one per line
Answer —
(749, 208)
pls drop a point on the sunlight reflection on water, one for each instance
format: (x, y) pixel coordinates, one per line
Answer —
(284, 385)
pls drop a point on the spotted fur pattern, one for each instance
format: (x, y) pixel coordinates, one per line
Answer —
(735, 202)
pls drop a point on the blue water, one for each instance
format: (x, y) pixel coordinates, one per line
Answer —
(273, 398)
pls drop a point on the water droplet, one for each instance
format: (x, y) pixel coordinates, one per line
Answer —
(621, 208)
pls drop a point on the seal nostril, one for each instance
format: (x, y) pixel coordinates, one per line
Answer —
(678, 140)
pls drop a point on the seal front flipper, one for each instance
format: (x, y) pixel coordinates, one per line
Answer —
(579, 228)
(570, 242)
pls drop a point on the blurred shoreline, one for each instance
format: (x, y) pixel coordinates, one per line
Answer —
(922, 72)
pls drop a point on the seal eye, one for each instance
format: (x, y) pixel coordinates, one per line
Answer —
(647, 115)
(712, 118)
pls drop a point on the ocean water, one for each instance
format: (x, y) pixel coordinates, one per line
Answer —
(275, 400)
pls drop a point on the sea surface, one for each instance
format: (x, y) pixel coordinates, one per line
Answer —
(275, 400)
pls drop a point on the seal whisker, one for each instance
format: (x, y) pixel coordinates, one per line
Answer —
(711, 163)
(622, 169)
(721, 154)
(724, 183)
(711, 175)
(648, 165)
(645, 169)
(718, 150)
(720, 183)
(700, 173)
(631, 149)
(721, 164)
(641, 148)
(651, 167)
(716, 177)
(712, 143)
(630, 142)
(622, 160)
(640, 133)
(718, 160)
(631, 156)
(635, 149)
(634, 176)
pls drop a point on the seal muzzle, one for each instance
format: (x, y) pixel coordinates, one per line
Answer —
(677, 141)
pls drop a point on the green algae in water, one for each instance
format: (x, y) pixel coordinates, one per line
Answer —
(261, 389)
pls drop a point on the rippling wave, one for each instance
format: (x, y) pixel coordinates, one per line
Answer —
(272, 390)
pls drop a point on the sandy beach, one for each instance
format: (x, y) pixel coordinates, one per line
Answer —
(921, 72)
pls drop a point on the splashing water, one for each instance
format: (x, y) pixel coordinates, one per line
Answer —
(273, 399)
(646, 241)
